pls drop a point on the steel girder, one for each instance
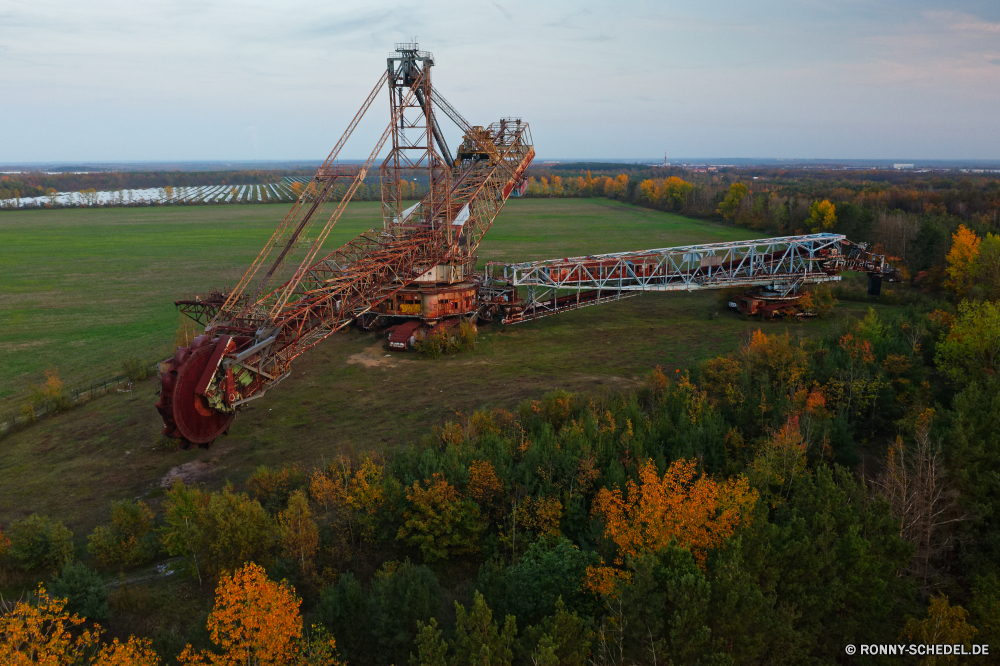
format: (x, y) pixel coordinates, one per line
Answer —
(784, 264)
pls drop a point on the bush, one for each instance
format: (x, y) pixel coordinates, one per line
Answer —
(448, 341)
(129, 541)
(467, 336)
(135, 369)
(83, 590)
(50, 396)
(432, 345)
(40, 543)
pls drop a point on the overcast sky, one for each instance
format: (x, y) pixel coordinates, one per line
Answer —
(105, 80)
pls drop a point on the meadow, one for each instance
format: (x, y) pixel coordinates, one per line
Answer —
(84, 289)
(81, 290)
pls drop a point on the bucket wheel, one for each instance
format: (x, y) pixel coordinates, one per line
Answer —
(187, 416)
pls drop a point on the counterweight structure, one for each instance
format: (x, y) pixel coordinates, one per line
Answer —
(293, 295)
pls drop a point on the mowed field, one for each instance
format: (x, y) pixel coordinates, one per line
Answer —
(83, 289)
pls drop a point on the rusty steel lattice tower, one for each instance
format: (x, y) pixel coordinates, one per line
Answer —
(419, 264)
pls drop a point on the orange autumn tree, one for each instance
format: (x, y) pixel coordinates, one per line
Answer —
(255, 621)
(962, 260)
(44, 633)
(484, 485)
(697, 514)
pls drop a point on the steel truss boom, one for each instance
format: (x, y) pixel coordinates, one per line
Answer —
(293, 296)
(783, 264)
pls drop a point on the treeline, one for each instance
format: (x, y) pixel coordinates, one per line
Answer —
(910, 217)
(771, 506)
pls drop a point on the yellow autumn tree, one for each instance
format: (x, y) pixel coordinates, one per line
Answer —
(944, 624)
(351, 496)
(780, 460)
(254, 621)
(556, 186)
(673, 192)
(44, 633)
(822, 216)
(962, 260)
(697, 514)
(299, 533)
(541, 515)
(730, 205)
(647, 191)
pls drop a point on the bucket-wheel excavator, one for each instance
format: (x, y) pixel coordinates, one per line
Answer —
(420, 267)
(293, 295)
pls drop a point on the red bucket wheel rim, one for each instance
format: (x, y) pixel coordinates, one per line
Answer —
(191, 422)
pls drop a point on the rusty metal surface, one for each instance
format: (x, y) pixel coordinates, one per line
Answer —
(293, 295)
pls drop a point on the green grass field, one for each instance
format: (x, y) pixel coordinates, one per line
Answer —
(83, 289)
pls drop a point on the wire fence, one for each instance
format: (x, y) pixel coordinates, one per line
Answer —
(34, 408)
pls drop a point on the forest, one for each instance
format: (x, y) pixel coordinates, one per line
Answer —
(768, 506)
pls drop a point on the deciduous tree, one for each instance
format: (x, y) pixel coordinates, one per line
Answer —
(944, 624)
(731, 203)
(439, 521)
(971, 350)
(299, 533)
(962, 260)
(255, 621)
(696, 513)
(43, 632)
(40, 543)
(822, 216)
(181, 535)
(129, 540)
(915, 485)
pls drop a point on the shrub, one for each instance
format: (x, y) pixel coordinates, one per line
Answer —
(448, 341)
(129, 541)
(432, 345)
(467, 336)
(50, 395)
(40, 543)
(83, 590)
(135, 369)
